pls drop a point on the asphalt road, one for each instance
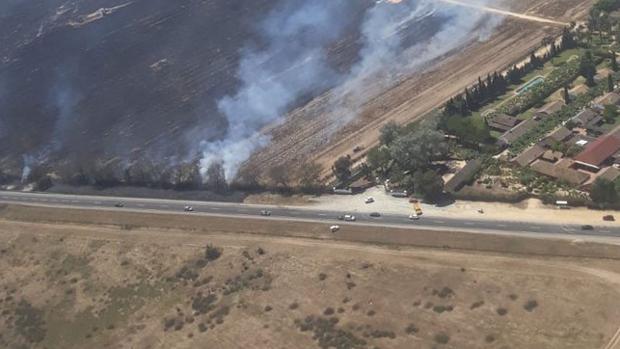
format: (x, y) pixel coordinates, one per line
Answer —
(299, 214)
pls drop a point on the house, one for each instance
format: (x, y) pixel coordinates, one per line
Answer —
(609, 173)
(560, 171)
(584, 117)
(465, 175)
(558, 135)
(361, 185)
(529, 155)
(518, 131)
(610, 98)
(502, 122)
(578, 90)
(550, 108)
(603, 73)
(552, 156)
(598, 152)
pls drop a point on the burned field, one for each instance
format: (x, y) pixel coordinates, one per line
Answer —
(72, 286)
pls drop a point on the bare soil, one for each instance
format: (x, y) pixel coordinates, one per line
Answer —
(312, 133)
(71, 284)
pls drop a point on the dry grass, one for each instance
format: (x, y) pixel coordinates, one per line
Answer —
(101, 285)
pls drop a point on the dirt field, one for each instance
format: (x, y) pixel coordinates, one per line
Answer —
(70, 285)
(312, 133)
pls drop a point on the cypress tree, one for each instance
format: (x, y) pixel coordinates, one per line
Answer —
(566, 95)
(610, 83)
(614, 61)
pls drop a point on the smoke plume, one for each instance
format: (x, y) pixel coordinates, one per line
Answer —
(293, 63)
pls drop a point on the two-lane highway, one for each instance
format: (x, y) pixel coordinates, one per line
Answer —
(297, 214)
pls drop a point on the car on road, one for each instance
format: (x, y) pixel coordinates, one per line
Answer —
(188, 209)
(265, 213)
(587, 227)
(414, 217)
(347, 218)
(375, 214)
(609, 218)
(119, 204)
(369, 200)
(334, 228)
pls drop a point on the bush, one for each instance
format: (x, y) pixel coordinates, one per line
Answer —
(442, 338)
(502, 311)
(411, 329)
(322, 276)
(530, 305)
(293, 306)
(212, 253)
(328, 311)
(476, 305)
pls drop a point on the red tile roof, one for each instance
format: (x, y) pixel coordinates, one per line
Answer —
(600, 150)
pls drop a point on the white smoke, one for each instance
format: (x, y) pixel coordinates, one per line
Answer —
(294, 64)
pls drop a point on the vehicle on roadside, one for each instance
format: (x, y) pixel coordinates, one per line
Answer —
(119, 204)
(347, 218)
(265, 213)
(413, 201)
(369, 200)
(375, 214)
(414, 217)
(609, 218)
(481, 211)
(334, 228)
(188, 209)
(587, 227)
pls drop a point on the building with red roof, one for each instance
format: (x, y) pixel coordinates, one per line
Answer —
(598, 152)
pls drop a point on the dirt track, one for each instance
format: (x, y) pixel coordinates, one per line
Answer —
(313, 133)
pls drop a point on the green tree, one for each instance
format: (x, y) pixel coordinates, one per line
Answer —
(587, 68)
(378, 159)
(604, 192)
(566, 95)
(429, 184)
(342, 168)
(610, 83)
(390, 132)
(415, 151)
(610, 113)
(614, 61)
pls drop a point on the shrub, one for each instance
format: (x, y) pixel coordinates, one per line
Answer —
(476, 305)
(212, 253)
(293, 306)
(489, 338)
(502, 311)
(442, 338)
(530, 305)
(268, 308)
(322, 276)
(411, 329)
(328, 311)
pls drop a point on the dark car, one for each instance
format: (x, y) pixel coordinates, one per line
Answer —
(119, 204)
(265, 213)
(587, 227)
(609, 218)
(375, 214)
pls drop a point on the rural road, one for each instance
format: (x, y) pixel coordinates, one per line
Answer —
(235, 210)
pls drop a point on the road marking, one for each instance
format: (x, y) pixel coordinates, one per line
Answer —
(605, 231)
(216, 208)
(140, 205)
(164, 206)
(502, 225)
(97, 202)
(322, 214)
(469, 223)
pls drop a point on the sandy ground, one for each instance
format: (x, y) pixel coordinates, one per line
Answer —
(81, 285)
(531, 210)
(312, 133)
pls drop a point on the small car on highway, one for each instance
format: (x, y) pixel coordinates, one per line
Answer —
(119, 204)
(587, 227)
(347, 218)
(609, 218)
(369, 200)
(414, 217)
(375, 214)
(188, 209)
(265, 213)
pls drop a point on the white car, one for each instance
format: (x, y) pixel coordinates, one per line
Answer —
(414, 217)
(370, 200)
(350, 218)
(188, 209)
(334, 228)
